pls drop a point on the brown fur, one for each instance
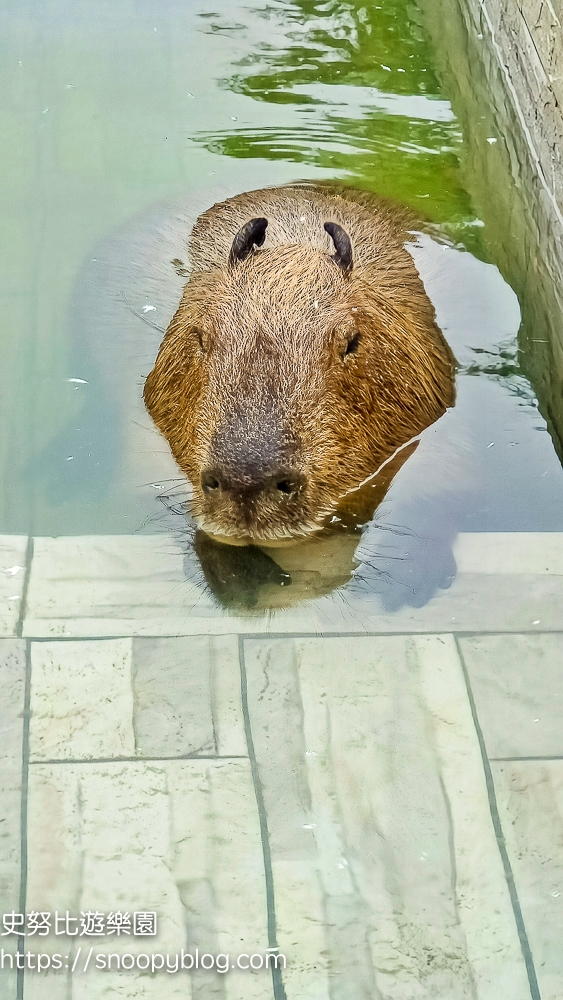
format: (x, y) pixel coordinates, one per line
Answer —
(252, 367)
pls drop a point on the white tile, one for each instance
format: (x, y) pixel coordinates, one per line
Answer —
(12, 703)
(484, 907)
(302, 935)
(219, 868)
(509, 552)
(99, 839)
(475, 602)
(181, 838)
(98, 586)
(187, 696)
(379, 821)
(160, 697)
(277, 725)
(226, 697)
(172, 685)
(8, 977)
(105, 581)
(530, 803)
(12, 576)
(81, 700)
(123, 585)
(518, 689)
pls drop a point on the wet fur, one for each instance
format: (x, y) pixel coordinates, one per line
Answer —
(252, 367)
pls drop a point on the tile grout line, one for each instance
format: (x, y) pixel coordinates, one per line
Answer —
(23, 809)
(501, 843)
(367, 634)
(135, 760)
(547, 757)
(23, 602)
(277, 980)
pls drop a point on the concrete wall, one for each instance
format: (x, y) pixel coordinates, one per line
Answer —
(528, 38)
(501, 63)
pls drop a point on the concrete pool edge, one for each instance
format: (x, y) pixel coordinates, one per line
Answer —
(496, 62)
(108, 586)
(529, 44)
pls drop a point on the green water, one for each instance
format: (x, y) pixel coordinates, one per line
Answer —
(354, 90)
(112, 112)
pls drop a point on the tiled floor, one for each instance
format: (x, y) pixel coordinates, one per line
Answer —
(382, 800)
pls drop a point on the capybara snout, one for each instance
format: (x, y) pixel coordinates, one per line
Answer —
(303, 353)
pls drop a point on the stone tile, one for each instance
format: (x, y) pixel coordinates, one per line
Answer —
(530, 803)
(81, 700)
(163, 697)
(387, 874)
(518, 689)
(12, 685)
(98, 586)
(8, 977)
(123, 585)
(99, 839)
(219, 871)
(187, 696)
(12, 576)
(108, 579)
(172, 684)
(226, 703)
(509, 552)
(475, 602)
(181, 838)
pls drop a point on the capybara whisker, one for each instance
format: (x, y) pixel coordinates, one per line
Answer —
(140, 316)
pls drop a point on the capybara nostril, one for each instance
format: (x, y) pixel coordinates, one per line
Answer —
(282, 484)
(285, 486)
(289, 484)
(209, 481)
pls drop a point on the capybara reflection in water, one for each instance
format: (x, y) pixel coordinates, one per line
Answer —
(303, 353)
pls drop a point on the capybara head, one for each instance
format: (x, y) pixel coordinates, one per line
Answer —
(302, 355)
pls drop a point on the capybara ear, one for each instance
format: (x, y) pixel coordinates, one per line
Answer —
(342, 245)
(253, 233)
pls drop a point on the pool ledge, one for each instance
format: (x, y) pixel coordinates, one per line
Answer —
(107, 586)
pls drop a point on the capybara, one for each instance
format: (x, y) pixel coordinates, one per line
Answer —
(304, 352)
